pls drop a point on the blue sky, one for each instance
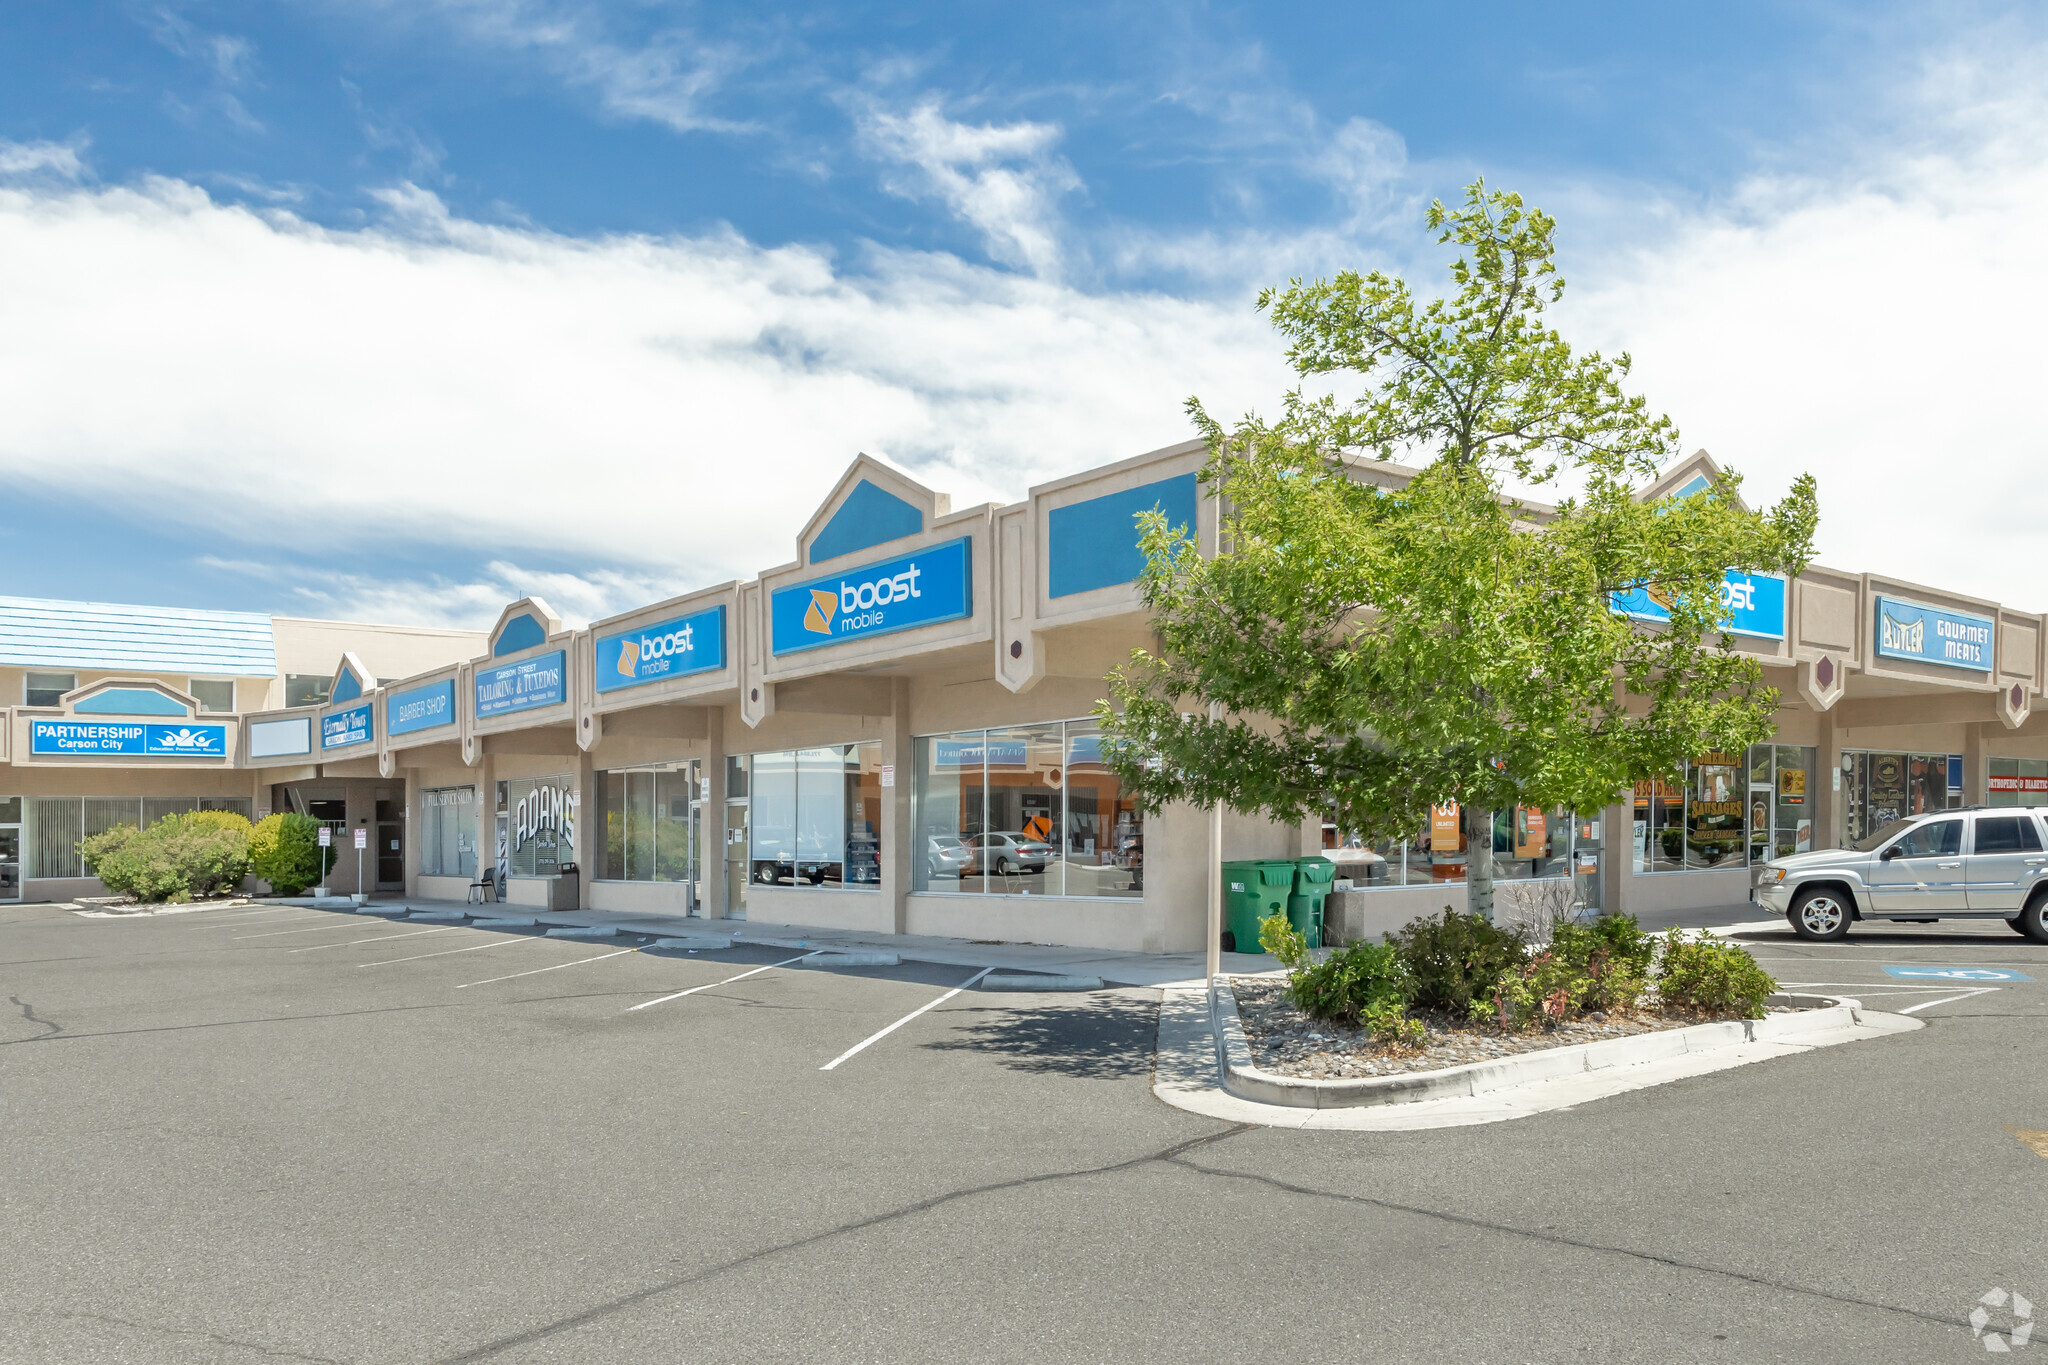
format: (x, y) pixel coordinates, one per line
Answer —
(405, 309)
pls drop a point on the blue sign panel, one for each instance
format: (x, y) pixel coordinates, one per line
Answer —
(521, 686)
(421, 708)
(339, 729)
(1954, 639)
(1094, 544)
(1956, 974)
(137, 739)
(876, 599)
(1755, 604)
(673, 649)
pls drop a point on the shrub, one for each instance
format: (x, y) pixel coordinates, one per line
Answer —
(1344, 985)
(284, 850)
(1614, 954)
(1708, 976)
(204, 853)
(1456, 959)
(1286, 943)
(1547, 990)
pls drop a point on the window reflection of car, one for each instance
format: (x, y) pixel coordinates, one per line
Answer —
(1358, 864)
(946, 856)
(1012, 852)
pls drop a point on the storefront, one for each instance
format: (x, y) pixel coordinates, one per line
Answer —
(894, 732)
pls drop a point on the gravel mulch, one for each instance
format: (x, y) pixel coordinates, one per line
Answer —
(1288, 1043)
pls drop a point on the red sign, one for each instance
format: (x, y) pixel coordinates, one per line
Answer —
(2019, 784)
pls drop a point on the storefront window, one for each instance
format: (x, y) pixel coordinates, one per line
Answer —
(1027, 810)
(1529, 844)
(1716, 812)
(536, 826)
(448, 832)
(815, 817)
(2018, 782)
(1878, 788)
(1660, 826)
(1780, 801)
(650, 823)
(57, 823)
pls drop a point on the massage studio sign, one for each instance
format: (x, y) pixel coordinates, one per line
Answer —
(1931, 635)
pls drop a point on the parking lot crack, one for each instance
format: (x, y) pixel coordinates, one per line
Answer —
(1556, 1240)
(642, 1295)
(50, 1027)
(189, 1333)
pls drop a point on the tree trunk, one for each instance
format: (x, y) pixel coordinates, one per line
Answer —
(1479, 863)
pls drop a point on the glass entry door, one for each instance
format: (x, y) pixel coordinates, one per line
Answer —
(10, 862)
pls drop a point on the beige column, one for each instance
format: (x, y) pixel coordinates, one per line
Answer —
(711, 813)
(900, 844)
(484, 774)
(1827, 785)
(589, 827)
(357, 872)
(1976, 776)
(1617, 851)
(415, 823)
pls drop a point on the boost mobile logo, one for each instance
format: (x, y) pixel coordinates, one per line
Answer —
(862, 598)
(635, 650)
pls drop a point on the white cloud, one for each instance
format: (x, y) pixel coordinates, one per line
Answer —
(1878, 328)
(668, 409)
(435, 600)
(1002, 179)
(59, 159)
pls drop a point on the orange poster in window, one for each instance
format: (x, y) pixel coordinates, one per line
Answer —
(1531, 833)
(1445, 835)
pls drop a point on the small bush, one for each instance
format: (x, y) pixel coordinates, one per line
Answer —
(1286, 943)
(1709, 977)
(1614, 954)
(179, 858)
(1456, 959)
(1546, 991)
(284, 850)
(1347, 983)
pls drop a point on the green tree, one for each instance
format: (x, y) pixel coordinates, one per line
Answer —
(284, 850)
(1374, 646)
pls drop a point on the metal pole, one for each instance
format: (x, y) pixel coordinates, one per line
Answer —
(1214, 958)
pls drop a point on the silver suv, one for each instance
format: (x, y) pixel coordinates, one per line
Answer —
(1954, 864)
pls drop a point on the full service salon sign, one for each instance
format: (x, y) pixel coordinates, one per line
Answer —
(1930, 635)
(673, 649)
(921, 589)
(126, 739)
(522, 686)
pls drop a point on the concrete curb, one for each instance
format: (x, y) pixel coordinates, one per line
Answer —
(437, 917)
(584, 931)
(511, 922)
(832, 959)
(696, 943)
(1243, 1079)
(1013, 982)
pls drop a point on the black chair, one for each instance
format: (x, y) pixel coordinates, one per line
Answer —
(478, 889)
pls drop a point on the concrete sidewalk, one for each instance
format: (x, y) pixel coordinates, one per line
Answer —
(1118, 968)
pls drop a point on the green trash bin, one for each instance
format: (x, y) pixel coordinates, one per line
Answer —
(1312, 880)
(1252, 891)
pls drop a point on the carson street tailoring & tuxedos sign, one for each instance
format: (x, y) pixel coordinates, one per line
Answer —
(523, 686)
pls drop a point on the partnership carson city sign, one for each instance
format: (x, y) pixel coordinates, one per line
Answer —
(920, 589)
(126, 739)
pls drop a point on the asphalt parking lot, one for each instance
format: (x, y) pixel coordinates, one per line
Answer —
(283, 1134)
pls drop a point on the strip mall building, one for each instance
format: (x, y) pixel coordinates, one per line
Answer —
(891, 733)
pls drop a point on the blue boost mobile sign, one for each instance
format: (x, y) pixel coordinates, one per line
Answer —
(521, 686)
(1907, 630)
(143, 739)
(339, 729)
(917, 590)
(421, 708)
(1755, 604)
(673, 649)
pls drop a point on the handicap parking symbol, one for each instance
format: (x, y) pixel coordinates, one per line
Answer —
(1957, 973)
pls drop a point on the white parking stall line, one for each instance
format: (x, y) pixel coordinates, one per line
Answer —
(278, 933)
(727, 982)
(381, 938)
(556, 968)
(447, 952)
(866, 1042)
(1949, 1000)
